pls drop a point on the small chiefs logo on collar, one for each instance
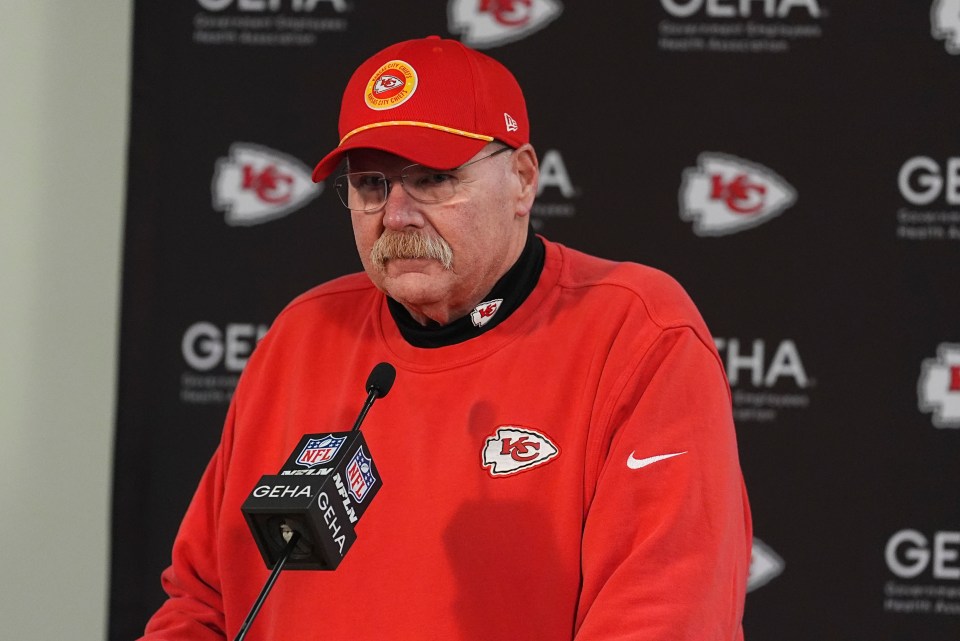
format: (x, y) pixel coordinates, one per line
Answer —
(391, 85)
(483, 312)
(513, 449)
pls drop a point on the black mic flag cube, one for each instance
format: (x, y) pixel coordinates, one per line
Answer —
(321, 492)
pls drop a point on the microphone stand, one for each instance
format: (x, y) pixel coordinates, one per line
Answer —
(374, 394)
(287, 551)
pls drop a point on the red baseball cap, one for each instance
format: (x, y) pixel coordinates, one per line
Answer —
(434, 101)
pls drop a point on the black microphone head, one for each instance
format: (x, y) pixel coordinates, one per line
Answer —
(381, 379)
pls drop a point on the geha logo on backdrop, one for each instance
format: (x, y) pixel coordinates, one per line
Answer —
(261, 6)
(938, 390)
(724, 194)
(945, 24)
(738, 26)
(215, 357)
(740, 8)
(484, 24)
(927, 571)
(932, 191)
(255, 184)
(267, 23)
(764, 382)
(555, 191)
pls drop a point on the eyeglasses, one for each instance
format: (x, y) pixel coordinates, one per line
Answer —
(367, 191)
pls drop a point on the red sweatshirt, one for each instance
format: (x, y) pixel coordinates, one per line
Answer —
(570, 474)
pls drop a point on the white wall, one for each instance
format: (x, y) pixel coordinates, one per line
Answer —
(64, 76)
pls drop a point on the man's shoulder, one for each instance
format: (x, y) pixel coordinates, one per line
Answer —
(662, 297)
(343, 292)
(357, 282)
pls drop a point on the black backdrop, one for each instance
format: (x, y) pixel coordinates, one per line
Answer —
(794, 163)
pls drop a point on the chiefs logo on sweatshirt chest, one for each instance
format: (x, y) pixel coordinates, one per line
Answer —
(512, 449)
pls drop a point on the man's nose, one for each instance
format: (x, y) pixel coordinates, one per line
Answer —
(400, 210)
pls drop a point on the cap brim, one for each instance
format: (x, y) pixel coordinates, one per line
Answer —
(422, 145)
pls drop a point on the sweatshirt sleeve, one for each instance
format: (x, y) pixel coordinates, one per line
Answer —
(193, 610)
(667, 533)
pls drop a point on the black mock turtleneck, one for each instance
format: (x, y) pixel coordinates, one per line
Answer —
(513, 287)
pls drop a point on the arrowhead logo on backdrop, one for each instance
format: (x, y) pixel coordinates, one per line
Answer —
(938, 390)
(765, 565)
(255, 184)
(484, 24)
(945, 23)
(725, 194)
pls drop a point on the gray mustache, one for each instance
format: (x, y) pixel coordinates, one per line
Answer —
(393, 244)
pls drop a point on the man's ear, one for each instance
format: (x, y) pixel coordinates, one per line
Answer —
(528, 172)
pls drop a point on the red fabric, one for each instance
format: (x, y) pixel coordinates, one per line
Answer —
(609, 360)
(453, 87)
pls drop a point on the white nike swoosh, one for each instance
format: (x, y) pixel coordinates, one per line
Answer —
(637, 463)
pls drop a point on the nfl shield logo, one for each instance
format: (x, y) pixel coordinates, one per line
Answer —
(360, 475)
(320, 450)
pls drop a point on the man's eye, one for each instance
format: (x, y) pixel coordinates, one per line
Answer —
(432, 179)
(368, 181)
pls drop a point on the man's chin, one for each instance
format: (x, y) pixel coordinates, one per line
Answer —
(416, 287)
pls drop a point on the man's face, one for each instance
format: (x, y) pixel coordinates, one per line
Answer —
(483, 225)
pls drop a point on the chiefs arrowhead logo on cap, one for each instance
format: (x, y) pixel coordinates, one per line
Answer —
(391, 85)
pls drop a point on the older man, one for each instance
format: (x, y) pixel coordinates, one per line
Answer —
(558, 454)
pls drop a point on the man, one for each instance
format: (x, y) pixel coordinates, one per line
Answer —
(557, 453)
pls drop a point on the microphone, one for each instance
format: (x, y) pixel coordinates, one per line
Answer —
(378, 384)
(324, 487)
(381, 379)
